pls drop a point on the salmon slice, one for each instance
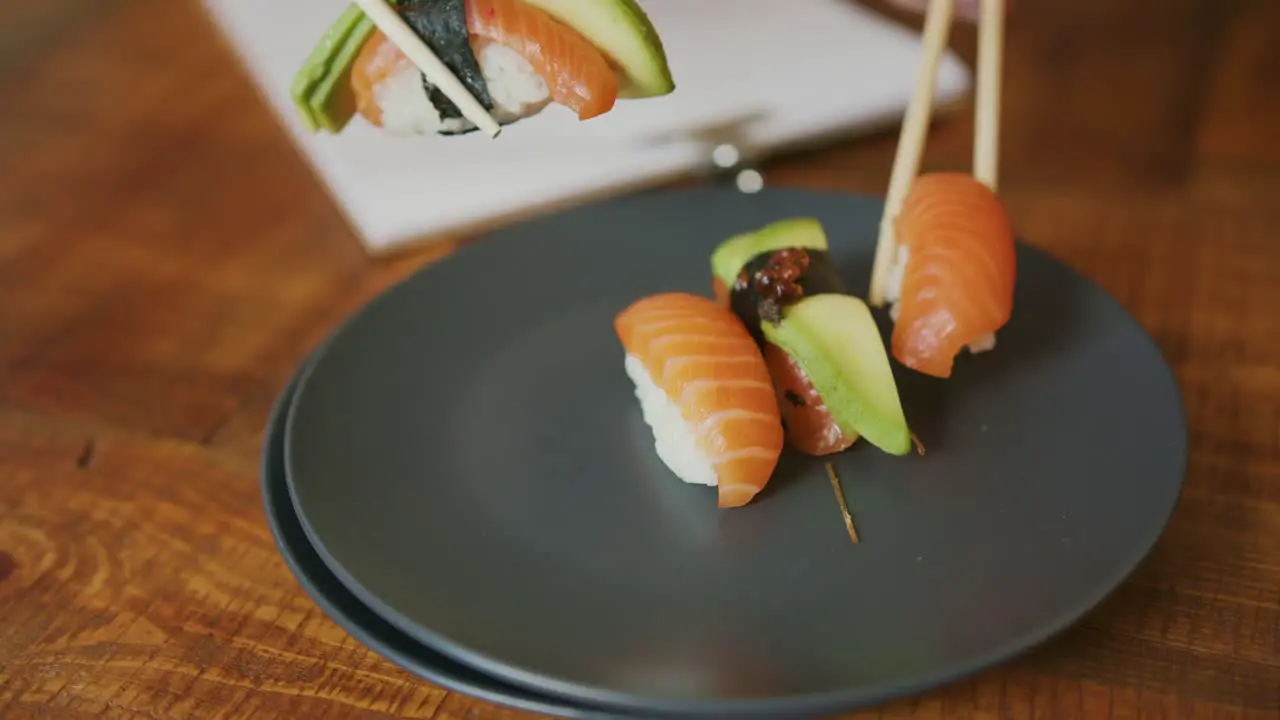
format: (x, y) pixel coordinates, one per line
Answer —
(378, 60)
(577, 74)
(810, 426)
(687, 353)
(958, 277)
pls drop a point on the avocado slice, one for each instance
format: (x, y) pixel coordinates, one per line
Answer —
(729, 256)
(623, 33)
(333, 102)
(321, 89)
(835, 340)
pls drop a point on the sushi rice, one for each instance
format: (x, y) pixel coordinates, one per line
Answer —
(517, 91)
(673, 438)
(893, 294)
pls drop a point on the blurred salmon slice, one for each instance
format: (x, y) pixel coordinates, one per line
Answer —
(379, 58)
(577, 74)
(957, 265)
(705, 392)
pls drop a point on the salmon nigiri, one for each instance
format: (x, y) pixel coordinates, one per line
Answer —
(951, 285)
(514, 56)
(705, 392)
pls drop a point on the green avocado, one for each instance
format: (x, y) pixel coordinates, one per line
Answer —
(622, 32)
(729, 256)
(321, 88)
(834, 339)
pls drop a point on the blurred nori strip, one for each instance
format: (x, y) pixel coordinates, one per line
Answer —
(442, 25)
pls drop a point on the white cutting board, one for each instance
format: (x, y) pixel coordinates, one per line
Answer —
(801, 69)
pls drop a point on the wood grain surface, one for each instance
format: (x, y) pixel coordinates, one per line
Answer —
(166, 259)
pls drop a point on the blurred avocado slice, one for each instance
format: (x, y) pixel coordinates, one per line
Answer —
(730, 256)
(321, 90)
(623, 33)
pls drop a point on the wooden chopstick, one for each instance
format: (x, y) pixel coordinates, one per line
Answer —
(436, 72)
(986, 126)
(915, 124)
(906, 162)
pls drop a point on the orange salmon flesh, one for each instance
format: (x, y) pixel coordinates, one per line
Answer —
(957, 285)
(810, 427)
(702, 357)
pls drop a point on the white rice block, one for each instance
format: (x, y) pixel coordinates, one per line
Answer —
(674, 439)
(517, 92)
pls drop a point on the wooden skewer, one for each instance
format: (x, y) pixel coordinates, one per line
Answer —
(986, 129)
(906, 162)
(844, 506)
(436, 72)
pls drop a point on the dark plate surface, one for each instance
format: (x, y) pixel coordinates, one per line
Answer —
(353, 616)
(469, 459)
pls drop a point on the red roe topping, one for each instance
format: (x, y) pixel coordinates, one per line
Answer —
(777, 284)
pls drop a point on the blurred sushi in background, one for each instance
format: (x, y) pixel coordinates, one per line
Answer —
(515, 57)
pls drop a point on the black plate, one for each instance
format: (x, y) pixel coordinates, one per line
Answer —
(358, 620)
(468, 458)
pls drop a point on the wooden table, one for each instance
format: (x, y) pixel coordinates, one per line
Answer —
(166, 259)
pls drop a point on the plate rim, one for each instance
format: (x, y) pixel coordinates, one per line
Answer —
(273, 442)
(798, 705)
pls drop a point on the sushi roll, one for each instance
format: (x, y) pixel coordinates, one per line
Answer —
(827, 361)
(950, 285)
(704, 391)
(515, 57)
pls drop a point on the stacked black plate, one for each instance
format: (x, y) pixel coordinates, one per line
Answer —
(462, 479)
